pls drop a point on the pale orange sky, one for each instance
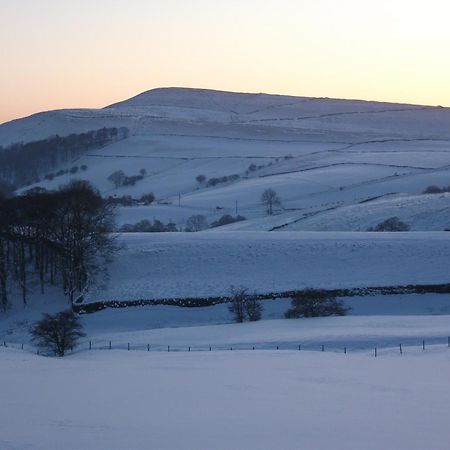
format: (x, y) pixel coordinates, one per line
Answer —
(90, 53)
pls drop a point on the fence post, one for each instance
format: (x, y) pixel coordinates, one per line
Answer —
(128, 346)
(209, 348)
(345, 350)
(278, 348)
(299, 347)
(323, 348)
(168, 348)
(231, 348)
(189, 349)
(448, 341)
(253, 348)
(90, 345)
(375, 352)
(22, 346)
(37, 353)
(401, 350)
(4, 344)
(148, 347)
(423, 345)
(110, 345)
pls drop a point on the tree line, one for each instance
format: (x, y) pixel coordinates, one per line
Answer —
(23, 164)
(59, 238)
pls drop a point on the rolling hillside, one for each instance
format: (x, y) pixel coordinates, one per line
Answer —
(320, 155)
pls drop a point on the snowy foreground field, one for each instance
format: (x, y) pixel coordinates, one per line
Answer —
(225, 400)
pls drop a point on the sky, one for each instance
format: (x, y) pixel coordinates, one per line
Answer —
(90, 53)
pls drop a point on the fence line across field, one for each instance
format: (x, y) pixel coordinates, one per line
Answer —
(128, 346)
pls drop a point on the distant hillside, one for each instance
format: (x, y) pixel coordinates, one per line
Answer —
(318, 154)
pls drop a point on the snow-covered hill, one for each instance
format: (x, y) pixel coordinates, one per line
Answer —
(317, 153)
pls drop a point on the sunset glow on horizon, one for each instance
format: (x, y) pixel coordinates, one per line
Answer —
(69, 54)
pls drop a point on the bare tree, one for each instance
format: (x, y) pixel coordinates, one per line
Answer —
(269, 199)
(117, 178)
(85, 232)
(58, 332)
(237, 307)
(200, 179)
(3, 277)
(243, 306)
(197, 222)
(253, 309)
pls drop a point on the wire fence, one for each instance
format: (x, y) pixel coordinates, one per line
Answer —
(405, 346)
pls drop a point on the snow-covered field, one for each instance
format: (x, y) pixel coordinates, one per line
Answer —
(163, 265)
(373, 321)
(225, 400)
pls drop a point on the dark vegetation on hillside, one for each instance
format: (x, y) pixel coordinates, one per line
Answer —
(390, 225)
(315, 303)
(128, 200)
(118, 178)
(196, 222)
(24, 164)
(59, 238)
(433, 189)
(146, 226)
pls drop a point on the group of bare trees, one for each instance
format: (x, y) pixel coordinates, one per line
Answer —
(391, 224)
(23, 164)
(243, 306)
(59, 238)
(118, 178)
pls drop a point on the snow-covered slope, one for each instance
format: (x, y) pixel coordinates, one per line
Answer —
(317, 153)
(420, 212)
(164, 265)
